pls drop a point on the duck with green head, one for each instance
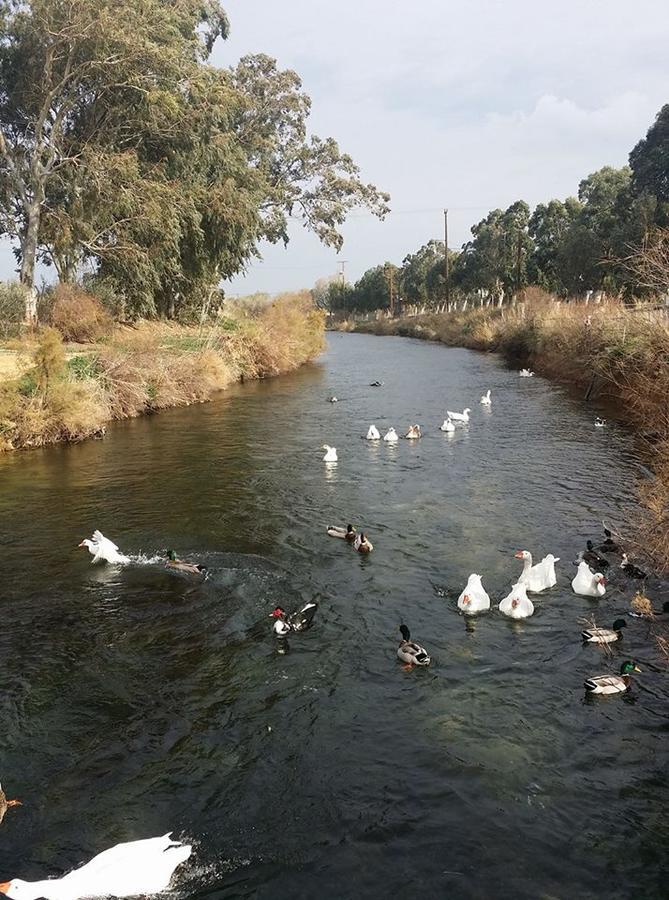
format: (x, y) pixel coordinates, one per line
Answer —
(611, 684)
(181, 565)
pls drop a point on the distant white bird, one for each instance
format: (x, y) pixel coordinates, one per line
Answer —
(373, 433)
(588, 583)
(485, 399)
(126, 870)
(391, 436)
(333, 400)
(413, 432)
(600, 423)
(539, 577)
(331, 454)
(459, 417)
(447, 425)
(526, 373)
(101, 547)
(516, 604)
(474, 598)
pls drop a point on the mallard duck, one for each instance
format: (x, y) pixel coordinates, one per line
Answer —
(348, 534)
(5, 803)
(587, 583)
(331, 453)
(611, 684)
(593, 558)
(604, 635)
(299, 620)
(599, 423)
(516, 604)
(391, 436)
(410, 652)
(126, 870)
(183, 566)
(447, 425)
(101, 547)
(413, 432)
(474, 598)
(609, 545)
(485, 399)
(373, 433)
(361, 544)
(630, 569)
(539, 577)
(459, 417)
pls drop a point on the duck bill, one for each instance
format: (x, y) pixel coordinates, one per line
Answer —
(637, 669)
(82, 544)
(4, 886)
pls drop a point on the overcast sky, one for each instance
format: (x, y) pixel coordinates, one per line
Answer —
(470, 104)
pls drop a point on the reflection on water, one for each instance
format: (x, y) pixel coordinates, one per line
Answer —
(135, 700)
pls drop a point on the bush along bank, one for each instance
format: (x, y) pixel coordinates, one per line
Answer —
(148, 367)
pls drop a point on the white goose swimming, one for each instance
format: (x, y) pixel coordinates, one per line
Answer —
(474, 598)
(126, 870)
(447, 425)
(331, 453)
(413, 432)
(391, 436)
(516, 604)
(101, 547)
(373, 433)
(485, 399)
(539, 577)
(459, 417)
(588, 583)
(526, 373)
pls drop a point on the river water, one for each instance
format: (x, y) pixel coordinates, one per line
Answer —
(134, 701)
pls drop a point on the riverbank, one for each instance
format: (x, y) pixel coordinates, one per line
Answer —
(51, 392)
(609, 350)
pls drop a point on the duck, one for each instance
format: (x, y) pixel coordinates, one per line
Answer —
(611, 684)
(101, 547)
(361, 544)
(599, 422)
(592, 557)
(447, 425)
(348, 534)
(126, 870)
(604, 635)
(299, 620)
(587, 583)
(5, 803)
(181, 565)
(459, 417)
(373, 433)
(630, 569)
(516, 604)
(485, 399)
(526, 373)
(391, 436)
(410, 652)
(413, 432)
(331, 453)
(474, 598)
(609, 545)
(376, 384)
(333, 400)
(539, 577)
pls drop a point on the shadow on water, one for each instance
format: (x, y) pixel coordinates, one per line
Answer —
(135, 700)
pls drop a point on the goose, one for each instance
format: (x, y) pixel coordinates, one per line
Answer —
(373, 433)
(101, 547)
(611, 684)
(331, 453)
(299, 620)
(539, 577)
(630, 569)
(447, 425)
(361, 544)
(348, 534)
(410, 652)
(485, 399)
(599, 422)
(474, 598)
(587, 583)
(459, 417)
(516, 604)
(182, 566)
(526, 373)
(604, 635)
(391, 436)
(413, 432)
(126, 870)
(5, 803)
(593, 558)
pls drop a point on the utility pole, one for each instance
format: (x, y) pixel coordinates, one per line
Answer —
(342, 263)
(518, 252)
(389, 276)
(446, 273)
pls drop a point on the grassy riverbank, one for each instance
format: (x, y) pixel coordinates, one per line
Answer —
(54, 392)
(610, 350)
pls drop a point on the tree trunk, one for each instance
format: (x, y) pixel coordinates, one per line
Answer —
(28, 254)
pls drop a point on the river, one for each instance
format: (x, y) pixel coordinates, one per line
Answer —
(134, 701)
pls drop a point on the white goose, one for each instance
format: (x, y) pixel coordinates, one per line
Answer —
(126, 870)
(330, 454)
(447, 425)
(459, 417)
(391, 436)
(485, 399)
(516, 604)
(474, 598)
(588, 583)
(373, 433)
(413, 432)
(101, 547)
(526, 373)
(539, 577)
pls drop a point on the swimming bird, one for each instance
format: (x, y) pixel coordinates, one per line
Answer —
(410, 652)
(333, 400)
(587, 583)
(609, 545)
(348, 534)
(361, 544)
(101, 547)
(373, 433)
(485, 399)
(331, 453)
(539, 577)
(650, 613)
(599, 423)
(526, 373)
(604, 635)
(376, 384)
(299, 620)
(391, 436)
(593, 558)
(630, 569)
(126, 870)
(459, 417)
(474, 598)
(611, 684)
(5, 803)
(413, 432)
(183, 566)
(447, 425)
(516, 604)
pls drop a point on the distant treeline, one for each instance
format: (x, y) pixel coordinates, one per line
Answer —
(570, 247)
